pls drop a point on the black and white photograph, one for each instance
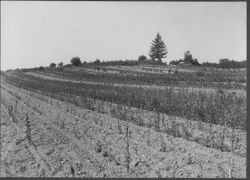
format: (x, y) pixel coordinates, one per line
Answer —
(122, 89)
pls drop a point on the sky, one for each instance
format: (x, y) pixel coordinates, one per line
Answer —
(37, 33)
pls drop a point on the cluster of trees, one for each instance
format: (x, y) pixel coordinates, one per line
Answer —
(225, 63)
(53, 65)
(157, 52)
(120, 63)
(188, 59)
(76, 61)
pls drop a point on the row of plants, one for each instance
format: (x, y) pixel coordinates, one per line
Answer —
(225, 109)
(207, 135)
(182, 79)
(212, 75)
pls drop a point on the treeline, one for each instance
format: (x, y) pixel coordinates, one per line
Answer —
(75, 61)
(226, 64)
(188, 59)
(114, 63)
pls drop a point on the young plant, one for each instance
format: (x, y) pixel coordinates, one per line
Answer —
(28, 131)
(128, 157)
(119, 127)
(157, 121)
(62, 124)
(148, 138)
(163, 145)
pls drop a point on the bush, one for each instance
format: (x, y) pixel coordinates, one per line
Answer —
(142, 58)
(41, 68)
(52, 65)
(97, 61)
(75, 61)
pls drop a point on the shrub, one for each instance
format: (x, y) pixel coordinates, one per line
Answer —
(97, 61)
(142, 58)
(41, 68)
(52, 65)
(75, 61)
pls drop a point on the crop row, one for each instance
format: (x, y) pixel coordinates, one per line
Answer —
(54, 137)
(182, 79)
(221, 108)
(206, 134)
(169, 153)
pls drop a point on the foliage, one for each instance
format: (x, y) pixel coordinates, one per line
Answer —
(158, 49)
(41, 68)
(208, 64)
(97, 61)
(76, 61)
(142, 58)
(182, 79)
(175, 62)
(216, 108)
(52, 65)
(188, 59)
(226, 63)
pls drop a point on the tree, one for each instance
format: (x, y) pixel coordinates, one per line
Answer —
(97, 61)
(158, 49)
(52, 65)
(188, 59)
(142, 58)
(224, 63)
(60, 64)
(174, 62)
(76, 61)
(41, 68)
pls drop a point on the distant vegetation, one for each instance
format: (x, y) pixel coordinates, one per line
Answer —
(52, 65)
(226, 64)
(75, 61)
(157, 52)
(188, 59)
(142, 58)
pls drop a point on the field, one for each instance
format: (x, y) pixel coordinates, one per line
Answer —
(139, 121)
